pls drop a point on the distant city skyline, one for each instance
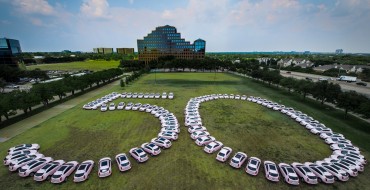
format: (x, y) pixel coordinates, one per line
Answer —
(226, 25)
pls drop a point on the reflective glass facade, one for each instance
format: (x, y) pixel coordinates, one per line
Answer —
(9, 51)
(164, 41)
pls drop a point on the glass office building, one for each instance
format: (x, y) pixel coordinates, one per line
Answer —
(165, 41)
(10, 51)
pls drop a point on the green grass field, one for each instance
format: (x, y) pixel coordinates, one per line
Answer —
(80, 135)
(93, 65)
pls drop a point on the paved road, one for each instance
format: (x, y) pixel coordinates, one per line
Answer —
(21, 126)
(365, 90)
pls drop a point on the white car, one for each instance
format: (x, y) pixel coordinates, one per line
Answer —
(123, 95)
(358, 165)
(238, 159)
(146, 95)
(17, 155)
(201, 141)
(123, 162)
(157, 95)
(327, 135)
(244, 97)
(190, 123)
(290, 176)
(319, 130)
(128, 95)
(49, 169)
(129, 106)
(151, 148)
(271, 172)
(224, 154)
(196, 128)
(322, 174)
(121, 105)
(143, 107)
(171, 95)
(139, 154)
(237, 97)
(83, 171)
(336, 140)
(112, 106)
(164, 95)
(198, 134)
(305, 173)
(171, 129)
(140, 95)
(23, 147)
(168, 135)
(103, 107)
(63, 172)
(253, 166)
(213, 147)
(134, 95)
(162, 142)
(232, 96)
(105, 167)
(336, 171)
(32, 167)
(151, 95)
(136, 106)
(17, 164)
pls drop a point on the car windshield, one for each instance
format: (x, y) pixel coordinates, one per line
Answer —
(209, 146)
(79, 175)
(251, 168)
(52, 167)
(139, 151)
(235, 161)
(272, 167)
(221, 154)
(39, 174)
(290, 170)
(82, 167)
(125, 164)
(122, 158)
(293, 178)
(142, 156)
(274, 174)
(62, 168)
(22, 170)
(104, 163)
(254, 162)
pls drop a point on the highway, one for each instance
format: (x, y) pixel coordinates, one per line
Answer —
(365, 90)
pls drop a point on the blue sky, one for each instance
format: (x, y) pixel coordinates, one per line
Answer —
(226, 25)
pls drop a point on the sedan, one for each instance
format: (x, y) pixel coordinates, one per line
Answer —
(151, 95)
(168, 135)
(146, 95)
(17, 164)
(83, 171)
(322, 174)
(63, 172)
(271, 172)
(201, 141)
(120, 106)
(213, 147)
(238, 159)
(244, 97)
(171, 95)
(151, 148)
(224, 154)
(164, 95)
(157, 95)
(253, 166)
(162, 142)
(139, 154)
(337, 146)
(305, 173)
(136, 106)
(104, 107)
(171, 129)
(123, 162)
(48, 170)
(23, 147)
(129, 106)
(105, 167)
(198, 134)
(336, 140)
(290, 176)
(196, 128)
(336, 171)
(140, 95)
(32, 167)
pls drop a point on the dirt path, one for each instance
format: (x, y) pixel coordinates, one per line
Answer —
(21, 126)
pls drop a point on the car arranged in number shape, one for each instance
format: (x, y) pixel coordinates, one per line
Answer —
(224, 154)
(322, 174)
(31, 168)
(139, 154)
(253, 166)
(105, 167)
(168, 135)
(290, 176)
(46, 171)
(121, 105)
(63, 172)
(271, 172)
(305, 173)
(24, 153)
(83, 171)
(23, 147)
(170, 95)
(162, 142)
(201, 141)
(213, 147)
(198, 134)
(151, 148)
(238, 159)
(103, 107)
(123, 162)
(17, 164)
(129, 106)
(196, 128)
(336, 171)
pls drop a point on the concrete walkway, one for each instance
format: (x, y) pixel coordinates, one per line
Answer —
(22, 126)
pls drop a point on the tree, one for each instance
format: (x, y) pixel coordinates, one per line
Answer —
(44, 92)
(2, 84)
(122, 84)
(349, 101)
(364, 109)
(58, 88)
(288, 83)
(325, 91)
(304, 87)
(5, 105)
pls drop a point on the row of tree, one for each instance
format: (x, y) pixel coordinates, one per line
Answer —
(45, 92)
(13, 74)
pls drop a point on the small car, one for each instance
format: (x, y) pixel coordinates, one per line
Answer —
(171, 129)
(151, 95)
(49, 169)
(63, 172)
(129, 95)
(237, 97)
(32, 167)
(196, 128)
(213, 147)
(337, 146)
(336, 171)
(83, 171)
(271, 172)
(24, 153)
(171, 95)
(23, 147)
(351, 159)
(244, 97)
(123, 162)
(146, 95)
(305, 173)
(232, 96)
(121, 105)
(336, 140)
(103, 107)
(162, 142)
(224, 154)
(112, 107)
(105, 167)
(143, 107)
(134, 95)
(164, 95)
(238, 160)
(151, 148)
(139, 154)
(197, 134)
(123, 95)
(201, 141)
(157, 95)
(140, 95)
(168, 135)
(129, 106)
(290, 176)
(136, 106)
(253, 166)
(15, 165)
(322, 174)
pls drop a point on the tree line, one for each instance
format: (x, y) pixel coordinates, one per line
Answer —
(45, 92)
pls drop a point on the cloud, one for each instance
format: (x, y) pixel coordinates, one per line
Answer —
(95, 9)
(34, 7)
(131, 1)
(36, 21)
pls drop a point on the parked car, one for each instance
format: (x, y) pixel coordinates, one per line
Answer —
(139, 154)
(32, 167)
(83, 171)
(361, 83)
(48, 170)
(136, 106)
(164, 95)
(305, 173)
(157, 95)
(238, 160)
(336, 171)
(151, 148)
(151, 95)
(112, 106)
(170, 95)
(120, 106)
(288, 173)
(140, 95)
(168, 135)
(244, 97)
(123, 95)
(123, 162)
(23, 147)
(197, 134)
(129, 106)
(134, 95)
(196, 128)
(146, 95)
(213, 147)
(103, 107)
(105, 167)
(253, 166)
(271, 172)
(162, 142)
(171, 129)
(63, 172)
(224, 154)
(15, 165)
(322, 174)
(201, 141)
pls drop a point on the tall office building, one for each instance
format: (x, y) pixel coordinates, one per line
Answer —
(125, 51)
(10, 52)
(165, 41)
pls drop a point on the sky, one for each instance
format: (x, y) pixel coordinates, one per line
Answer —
(226, 25)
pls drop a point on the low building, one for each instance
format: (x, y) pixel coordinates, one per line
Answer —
(10, 52)
(339, 51)
(295, 62)
(103, 50)
(125, 51)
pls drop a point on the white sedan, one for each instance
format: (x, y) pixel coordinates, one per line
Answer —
(271, 172)
(104, 107)
(32, 167)
(83, 171)
(171, 129)
(201, 141)
(171, 95)
(112, 106)
(253, 166)
(162, 142)
(198, 134)
(224, 154)
(121, 105)
(290, 176)
(305, 173)
(23, 147)
(105, 167)
(213, 147)
(196, 128)
(139, 154)
(322, 174)
(168, 135)
(18, 163)
(123, 162)
(238, 159)
(136, 106)
(63, 172)
(48, 170)
(151, 148)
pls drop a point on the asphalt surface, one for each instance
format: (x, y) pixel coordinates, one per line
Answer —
(365, 90)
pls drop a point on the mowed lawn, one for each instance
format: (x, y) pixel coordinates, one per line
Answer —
(94, 65)
(81, 135)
